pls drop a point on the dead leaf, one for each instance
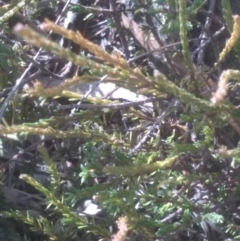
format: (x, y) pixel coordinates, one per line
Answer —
(148, 42)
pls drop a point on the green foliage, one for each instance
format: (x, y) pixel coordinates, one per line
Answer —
(214, 217)
(9, 62)
(55, 175)
(165, 171)
(172, 23)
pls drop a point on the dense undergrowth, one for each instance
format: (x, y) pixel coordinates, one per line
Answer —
(155, 157)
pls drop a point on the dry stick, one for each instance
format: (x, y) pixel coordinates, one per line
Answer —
(111, 106)
(38, 65)
(206, 41)
(172, 104)
(172, 215)
(20, 80)
(43, 69)
(117, 19)
(161, 49)
(88, 93)
(160, 41)
(207, 26)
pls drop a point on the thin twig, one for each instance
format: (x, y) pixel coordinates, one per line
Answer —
(109, 106)
(20, 80)
(117, 19)
(88, 93)
(172, 104)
